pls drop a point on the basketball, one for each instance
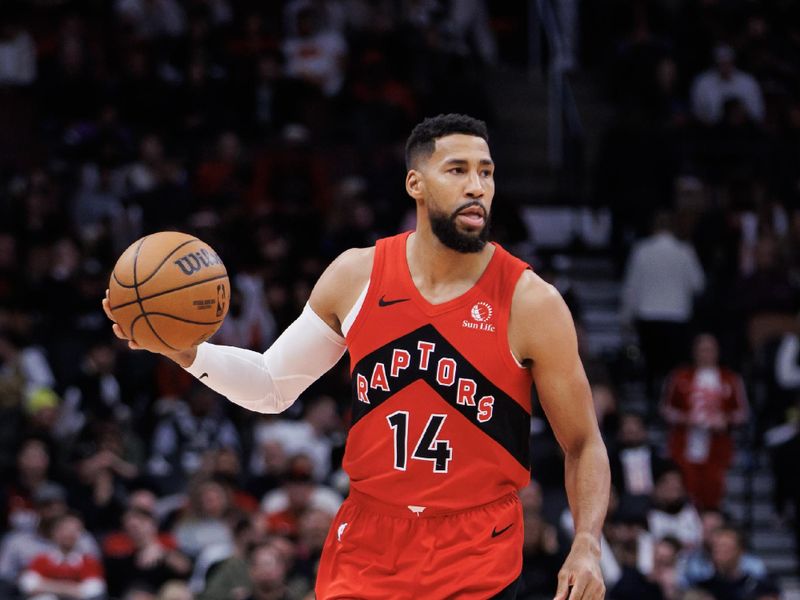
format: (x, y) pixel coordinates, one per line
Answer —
(169, 291)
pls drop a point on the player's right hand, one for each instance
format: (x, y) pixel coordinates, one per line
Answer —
(184, 358)
(116, 328)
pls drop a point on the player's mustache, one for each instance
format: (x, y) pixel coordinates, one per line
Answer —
(464, 207)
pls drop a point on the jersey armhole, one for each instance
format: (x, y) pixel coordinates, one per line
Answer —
(353, 314)
(358, 314)
(505, 345)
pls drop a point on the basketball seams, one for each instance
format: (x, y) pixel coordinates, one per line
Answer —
(122, 285)
(171, 316)
(139, 299)
(169, 291)
(167, 257)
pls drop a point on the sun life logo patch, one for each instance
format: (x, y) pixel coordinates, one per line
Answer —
(480, 313)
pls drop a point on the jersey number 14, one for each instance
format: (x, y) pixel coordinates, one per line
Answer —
(428, 447)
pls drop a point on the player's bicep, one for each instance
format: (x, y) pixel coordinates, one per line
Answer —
(558, 373)
(339, 286)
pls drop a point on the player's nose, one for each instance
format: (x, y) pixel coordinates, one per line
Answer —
(474, 187)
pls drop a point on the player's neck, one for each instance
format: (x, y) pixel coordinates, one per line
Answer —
(433, 264)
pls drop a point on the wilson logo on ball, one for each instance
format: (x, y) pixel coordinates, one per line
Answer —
(195, 261)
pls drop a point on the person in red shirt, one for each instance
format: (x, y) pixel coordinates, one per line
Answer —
(64, 572)
(140, 555)
(702, 404)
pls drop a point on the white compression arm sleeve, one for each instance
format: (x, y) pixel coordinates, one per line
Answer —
(271, 382)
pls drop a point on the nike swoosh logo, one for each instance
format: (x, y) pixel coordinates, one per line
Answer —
(203, 375)
(383, 302)
(495, 533)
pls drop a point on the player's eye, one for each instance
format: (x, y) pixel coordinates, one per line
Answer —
(456, 170)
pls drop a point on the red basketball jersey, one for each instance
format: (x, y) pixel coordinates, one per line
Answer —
(441, 409)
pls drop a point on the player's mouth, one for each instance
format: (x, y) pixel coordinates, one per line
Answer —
(472, 216)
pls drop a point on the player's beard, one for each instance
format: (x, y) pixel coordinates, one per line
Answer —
(445, 228)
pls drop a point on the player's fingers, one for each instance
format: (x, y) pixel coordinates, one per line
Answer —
(587, 588)
(595, 590)
(107, 307)
(118, 332)
(562, 591)
(599, 592)
(578, 589)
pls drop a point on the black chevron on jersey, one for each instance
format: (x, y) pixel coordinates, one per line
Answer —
(510, 423)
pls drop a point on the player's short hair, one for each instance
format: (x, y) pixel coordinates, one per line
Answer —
(422, 141)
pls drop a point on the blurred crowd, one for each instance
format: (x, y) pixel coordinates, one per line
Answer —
(274, 131)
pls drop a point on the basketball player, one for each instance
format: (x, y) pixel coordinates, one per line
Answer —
(446, 334)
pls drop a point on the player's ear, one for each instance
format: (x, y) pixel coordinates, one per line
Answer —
(414, 184)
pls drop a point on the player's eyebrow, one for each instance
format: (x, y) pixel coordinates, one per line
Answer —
(462, 161)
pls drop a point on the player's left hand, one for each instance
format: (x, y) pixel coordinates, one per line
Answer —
(580, 577)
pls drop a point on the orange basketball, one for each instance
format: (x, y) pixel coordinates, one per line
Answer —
(169, 291)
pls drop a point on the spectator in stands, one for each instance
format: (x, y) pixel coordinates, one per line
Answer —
(285, 506)
(672, 514)
(703, 404)
(711, 89)
(696, 566)
(31, 475)
(635, 463)
(151, 19)
(313, 54)
(662, 278)
(249, 323)
(18, 548)
(182, 437)
(631, 557)
(208, 519)
(312, 533)
(310, 436)
(664, 573)
(769, 289)
(781, 420)
(605, 403)
(139, 555)
(23, 365)
(221, 572)
(541, 554)
(96, 394)
(64, 570)
(104, 465)
(17, 50)
(729, 581)
(268, 571)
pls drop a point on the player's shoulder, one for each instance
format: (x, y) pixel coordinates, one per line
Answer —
(354, 262)
(348, 271)
(532, 293)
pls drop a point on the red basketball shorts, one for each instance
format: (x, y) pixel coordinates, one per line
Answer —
(382, 552)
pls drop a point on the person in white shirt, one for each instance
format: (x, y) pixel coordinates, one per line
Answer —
(662, 278)
(714, 87)
(672, 514)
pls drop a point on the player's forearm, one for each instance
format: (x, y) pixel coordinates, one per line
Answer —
(587, 481)
(271, 382)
